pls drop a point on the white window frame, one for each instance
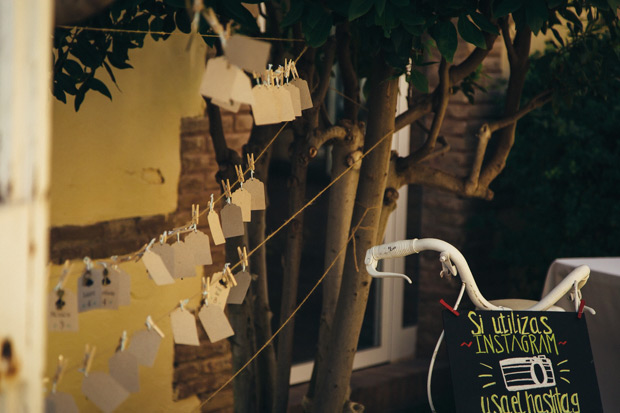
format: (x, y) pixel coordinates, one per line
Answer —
(396, 342)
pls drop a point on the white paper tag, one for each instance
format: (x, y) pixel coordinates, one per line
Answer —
(184, 327)
(109, 289)
(257, 191)
(198, 243)
(62, 311)
(247, 53)
(60, 402)
(287, 112)
(232, 221)
(145, 345)
(89, 290)
(218, 79)
(237, 293)
(216, 228)
(104, 391)
(183, 261)
(215, 323)
(218, 291)
(295, 98)
(124, 369)
(243, 199)
(304, 93)
(265, 108)
(124, 286)
(159, 262)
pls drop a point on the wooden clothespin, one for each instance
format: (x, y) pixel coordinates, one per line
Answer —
(183, 303)
(215, 24)
(293, 69)
(256, 77)
(89, 355)
(240, 175)
(66, 269)
(150, 324)
(122, 342)
(205, 290)
(60, 369)
(226, 185)
(195, 215)
(243, 257)
(227, 273)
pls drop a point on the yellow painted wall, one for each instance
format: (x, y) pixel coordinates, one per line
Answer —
(105, 157)
(103, 328)
(104, 163)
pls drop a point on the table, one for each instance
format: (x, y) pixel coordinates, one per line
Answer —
(602, 292)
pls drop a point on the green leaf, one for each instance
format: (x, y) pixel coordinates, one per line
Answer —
(73, 68)
(99, 86)
(79, 97)
(59, 93)
(294, 14)
(67, 83)
(536, 14)
(240, 14)
(157, 25)
(484, 23)
(359, 8)
(109, 70)
(444, 34)
(418, 80)
(613, 4)
(505, 7)
(181, 18)
(557, 36)
(470, 33)
(380, 6)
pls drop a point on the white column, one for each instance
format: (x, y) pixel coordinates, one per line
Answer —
(25, 64)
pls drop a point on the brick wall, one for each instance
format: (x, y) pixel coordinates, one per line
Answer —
(445, 215)
(198, 370)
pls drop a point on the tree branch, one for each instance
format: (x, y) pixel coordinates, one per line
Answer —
(347, 71)
(471, 62)
(328, 63)
(443, 90)
(422, 107)
(71, 11)
(537, 101)
(512, 54)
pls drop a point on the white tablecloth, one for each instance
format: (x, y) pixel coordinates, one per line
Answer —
(602, 292)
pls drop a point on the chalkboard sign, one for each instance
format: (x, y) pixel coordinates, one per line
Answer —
(521, 362)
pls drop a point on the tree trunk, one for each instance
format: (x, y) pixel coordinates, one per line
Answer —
(353, 296)
(266, 363)
(292, 259)
(340, 211)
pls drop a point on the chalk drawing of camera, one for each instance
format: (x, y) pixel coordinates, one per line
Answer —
(523, 373)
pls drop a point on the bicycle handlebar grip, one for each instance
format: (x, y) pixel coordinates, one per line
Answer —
(394, 249)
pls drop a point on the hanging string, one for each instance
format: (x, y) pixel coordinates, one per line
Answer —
(289, 318)
(112, 30)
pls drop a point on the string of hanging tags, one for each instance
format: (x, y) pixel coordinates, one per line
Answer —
(99, 387)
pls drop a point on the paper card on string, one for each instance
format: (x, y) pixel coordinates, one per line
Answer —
(215, 323)
(264, 107)
(62, 311)
(60, 402)
(295, 98)
(216, 228)
(243, 199)
(219, 290)
(287, 113)
(101, 389)
(159, 262)
(184, 327)
(89, 290)
(198, 243)
(247, 53)
(124, 286)
(183, 261)
(124, 369)
(237, 293)
(109, 289)
(257, 192)
(304, 93)
(218, 79)
(241, 91)
(145, 345)
(229, 105)
(232, 221)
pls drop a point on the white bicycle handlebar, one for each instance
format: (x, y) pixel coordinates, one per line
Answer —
(406, 247)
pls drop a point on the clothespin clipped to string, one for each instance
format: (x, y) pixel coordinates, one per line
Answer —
(88, 264)
(66, 269)
(150, 324)
(243, 257)
(183, 303)
(226, 185)
(195, 216)
(60, 370)
(122, 342)
(251, 164)
(228, 275)
(214, 224)
(89, 355)
(205, 290)
(255, 187)
(240, 177)
(215, 24)
(304, 91)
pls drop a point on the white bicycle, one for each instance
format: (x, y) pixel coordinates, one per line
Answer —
(454, 263)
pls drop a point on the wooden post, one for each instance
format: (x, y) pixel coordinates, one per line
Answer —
(25, 58)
